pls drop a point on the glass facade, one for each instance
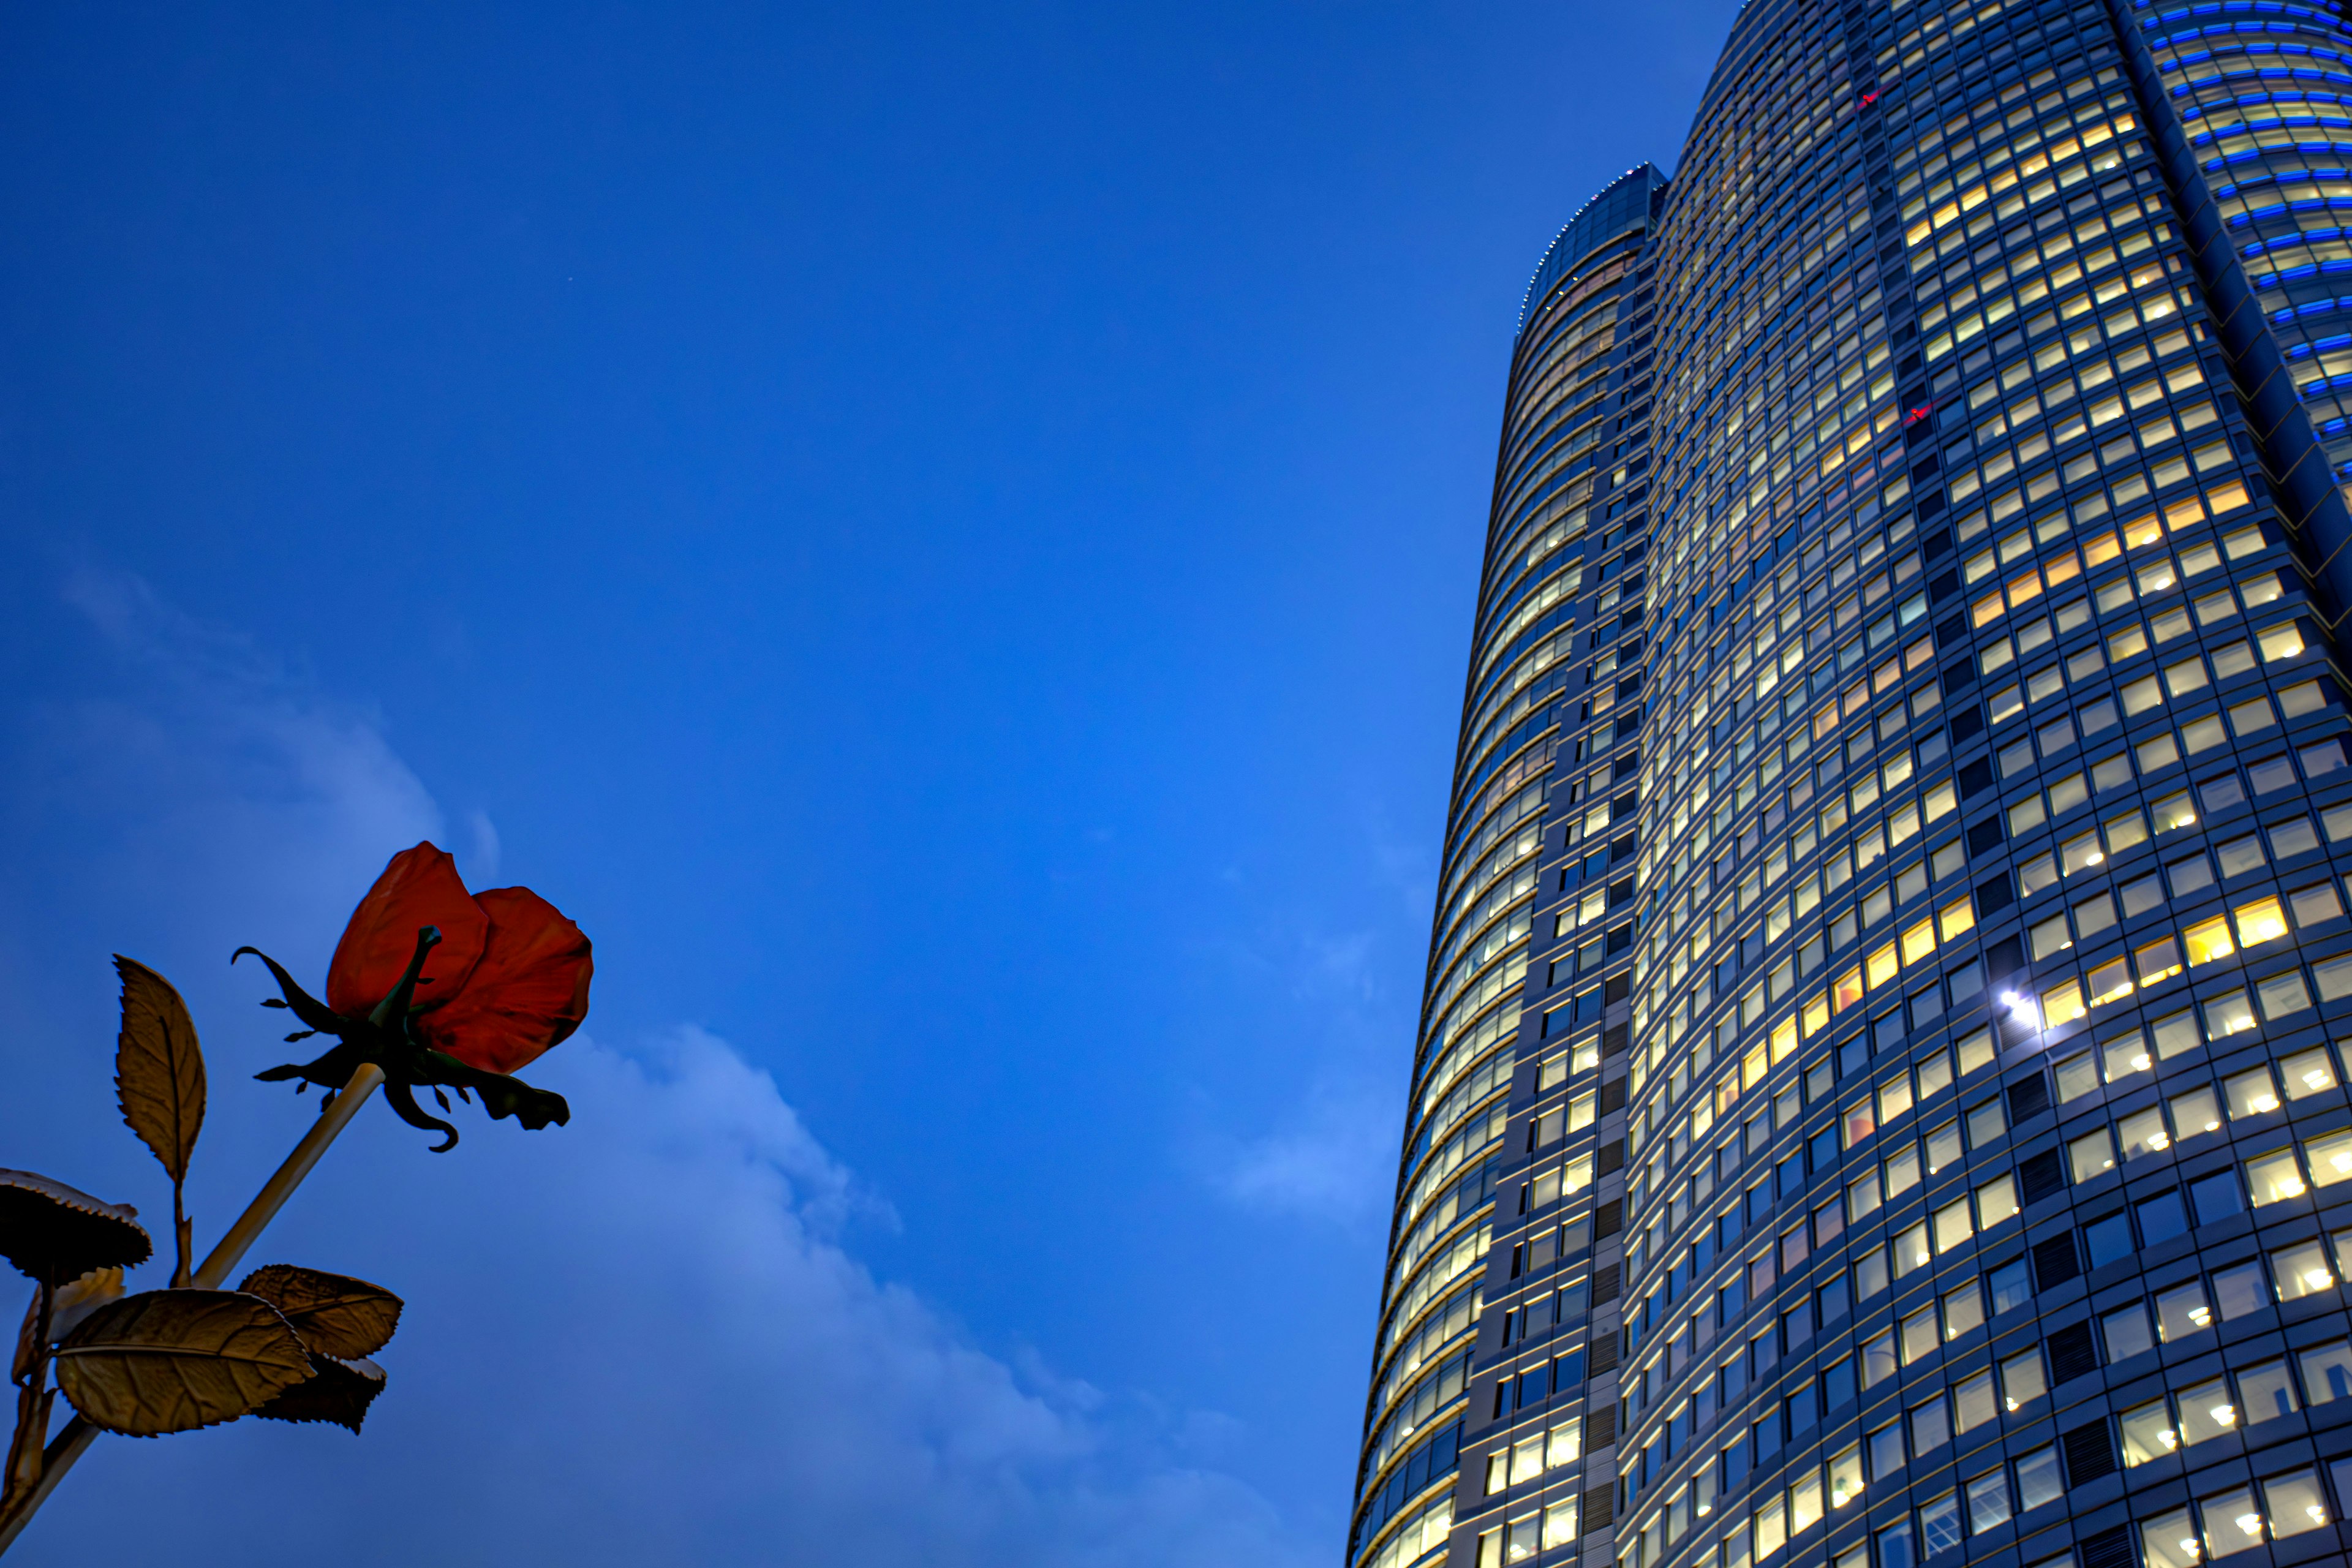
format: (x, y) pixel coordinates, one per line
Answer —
(1880, 1091)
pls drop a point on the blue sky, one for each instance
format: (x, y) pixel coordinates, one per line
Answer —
(944, 537)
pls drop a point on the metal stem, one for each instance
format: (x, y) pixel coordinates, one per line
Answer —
(278, 1188)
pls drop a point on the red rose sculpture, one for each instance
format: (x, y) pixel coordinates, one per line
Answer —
(441, 987)
(509, 979)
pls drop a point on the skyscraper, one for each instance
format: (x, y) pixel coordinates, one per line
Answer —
(1878, 1099)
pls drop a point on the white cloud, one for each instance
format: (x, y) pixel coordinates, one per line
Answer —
(1337, 1163)
(218, 768)
(653, 1311)
(643, 1337)
(1400, 865)
(481, 862)
(1336, 1160)
(1343, 964)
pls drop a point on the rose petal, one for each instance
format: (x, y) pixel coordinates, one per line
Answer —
(529, 992)
(420, 888)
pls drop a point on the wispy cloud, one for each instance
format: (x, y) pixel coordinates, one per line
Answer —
(645, 1338)
(1336, 1162)
(480, 856)
(213, 764)
(1405, 868)
(1333, 1160)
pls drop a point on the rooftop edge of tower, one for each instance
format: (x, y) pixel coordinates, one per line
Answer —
(1627, 202)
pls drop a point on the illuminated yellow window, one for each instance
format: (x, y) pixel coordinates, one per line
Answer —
(1753, 1067)
(2260, 922)
(2159, 960)
(2110, 982)
(2186, 511)
(1817, 1013)
(2226, 498)
(1986, 610)
(2102, 549)
(1847, 991)
(1881, 966)
(2281, 642)
(2208, 941)
(1955, 917)
(2145, 532)
(1918, 941)
(2020, 589)
(2063, 1005)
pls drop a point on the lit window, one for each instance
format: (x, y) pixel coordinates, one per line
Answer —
(2306, 1073)
(2147, 1433)
(2207, 1411)
(2157, 960)
(1952, 1227)
(2259, 921)
(2227, 1014)
(2275, 1177)
(1955, 917)
(2063, 1003)
(2169, 1541)
(1848, 989)
(2209, 940)
(2144, 1134)
(2092, 1154)
(2232, 1523)
(2080, 854)
(2330, 1159)
(2301, 1270)
(2295, 1503)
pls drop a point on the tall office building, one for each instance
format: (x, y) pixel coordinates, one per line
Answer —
(1878, 1097)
